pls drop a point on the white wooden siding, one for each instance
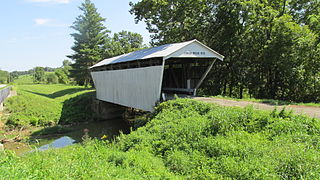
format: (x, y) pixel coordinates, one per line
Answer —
(194, 50)
(138, 88)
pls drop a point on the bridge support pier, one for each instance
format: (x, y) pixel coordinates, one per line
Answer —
(105, 110)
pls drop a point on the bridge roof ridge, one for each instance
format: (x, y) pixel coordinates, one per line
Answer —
(154, 52)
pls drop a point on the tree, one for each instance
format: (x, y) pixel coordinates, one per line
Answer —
(129, 41)
(63, 72)
(90, 37)
(123, 42)
(51, 78)
(271, 48)
(62, 76)
(4, 77)
(66, 63)
(39, 75)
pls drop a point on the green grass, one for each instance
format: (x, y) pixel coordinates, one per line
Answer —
(24, 79)
(187, 139)
(269, 101)
(42, 105)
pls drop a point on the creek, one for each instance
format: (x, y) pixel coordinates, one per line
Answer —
(63, 136)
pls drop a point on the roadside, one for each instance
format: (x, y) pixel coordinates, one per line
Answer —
(297, 109)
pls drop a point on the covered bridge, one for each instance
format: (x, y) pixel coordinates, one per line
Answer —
(142, 78)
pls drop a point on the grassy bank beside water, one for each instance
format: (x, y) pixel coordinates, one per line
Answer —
(187, 139)
(42, 105)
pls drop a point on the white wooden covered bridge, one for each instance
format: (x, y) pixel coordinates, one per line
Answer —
(142, 78)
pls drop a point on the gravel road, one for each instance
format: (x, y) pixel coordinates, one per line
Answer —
(298, 109)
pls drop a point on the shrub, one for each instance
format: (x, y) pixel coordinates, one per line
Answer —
(51, 78)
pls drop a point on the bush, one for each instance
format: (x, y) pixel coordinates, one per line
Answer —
(51, 78)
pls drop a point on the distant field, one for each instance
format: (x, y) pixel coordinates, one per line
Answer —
(24, 79)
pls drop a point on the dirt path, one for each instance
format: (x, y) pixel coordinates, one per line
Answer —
(307, 110)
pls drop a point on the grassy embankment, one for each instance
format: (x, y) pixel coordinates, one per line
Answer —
(269, 101)
(43, 105)
(187, 139)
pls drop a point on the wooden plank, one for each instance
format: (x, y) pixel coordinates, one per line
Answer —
(139, 88)
(205, 75)
(178, 90)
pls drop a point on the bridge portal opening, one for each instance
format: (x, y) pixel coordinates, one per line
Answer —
(183, 76)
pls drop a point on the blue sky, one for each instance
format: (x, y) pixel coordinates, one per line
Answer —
(37, 32)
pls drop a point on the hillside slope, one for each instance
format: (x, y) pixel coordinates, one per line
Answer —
(187, 139)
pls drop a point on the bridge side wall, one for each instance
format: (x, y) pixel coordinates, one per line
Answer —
(4, 93)
(138, 88)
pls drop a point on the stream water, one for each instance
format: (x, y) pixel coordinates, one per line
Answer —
(71, 135)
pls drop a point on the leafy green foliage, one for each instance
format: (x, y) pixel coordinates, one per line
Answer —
(271, 48)
(4, 77)
(90, 37)
(39, 75)
(63, 73)
(123, 42)
(51, 78)
(62, 76)
(187, 139)
(93, 44)
(42, 105)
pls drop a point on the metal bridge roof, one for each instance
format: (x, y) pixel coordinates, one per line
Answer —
(164, 51)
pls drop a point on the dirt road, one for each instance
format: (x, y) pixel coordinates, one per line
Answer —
(298, 109)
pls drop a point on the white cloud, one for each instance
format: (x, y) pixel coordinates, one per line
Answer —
(42, 21)
(49, 22)
(51, 1)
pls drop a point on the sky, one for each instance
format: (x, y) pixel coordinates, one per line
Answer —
(37, 32)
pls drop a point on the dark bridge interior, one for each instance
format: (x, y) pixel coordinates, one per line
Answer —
(182, 76)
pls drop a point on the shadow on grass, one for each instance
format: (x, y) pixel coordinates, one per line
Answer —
(59, 93)
(78, 109)
(275, 102)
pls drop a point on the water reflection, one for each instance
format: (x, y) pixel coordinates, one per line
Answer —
(58, 143)
(46, 139)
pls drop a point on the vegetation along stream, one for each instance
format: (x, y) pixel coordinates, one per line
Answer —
(53, 116)
(62, 136)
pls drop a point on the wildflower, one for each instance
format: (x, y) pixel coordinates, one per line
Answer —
(104, 137)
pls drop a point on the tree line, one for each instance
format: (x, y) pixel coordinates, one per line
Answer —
(39, 74)
(53, 75)
(272, 48)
